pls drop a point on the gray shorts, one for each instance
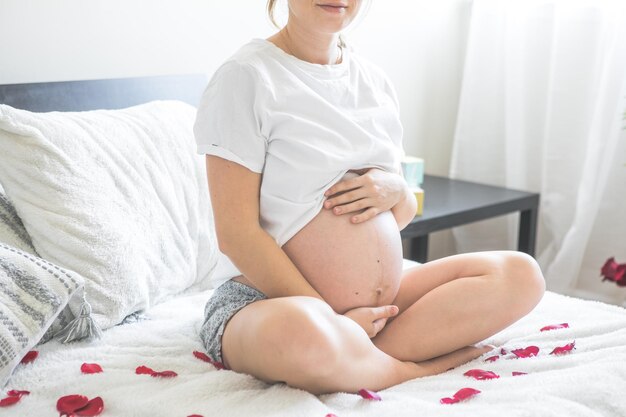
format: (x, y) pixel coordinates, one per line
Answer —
(227, 299)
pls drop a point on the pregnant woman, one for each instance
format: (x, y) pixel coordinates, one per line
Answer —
(303, 143)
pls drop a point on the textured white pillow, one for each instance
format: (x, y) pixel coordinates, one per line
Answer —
(118, 196)
(33, 292)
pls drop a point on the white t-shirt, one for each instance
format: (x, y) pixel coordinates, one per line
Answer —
(301, 125)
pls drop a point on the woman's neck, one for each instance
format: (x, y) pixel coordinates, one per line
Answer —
(317, 48)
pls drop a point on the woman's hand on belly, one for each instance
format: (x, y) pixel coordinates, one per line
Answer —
(369, 193)
(372, 319)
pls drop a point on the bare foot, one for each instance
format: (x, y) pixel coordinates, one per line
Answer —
(448, 361)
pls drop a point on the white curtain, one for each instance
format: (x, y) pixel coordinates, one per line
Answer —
(542, 104)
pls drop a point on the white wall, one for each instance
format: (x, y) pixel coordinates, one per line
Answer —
(420, 43)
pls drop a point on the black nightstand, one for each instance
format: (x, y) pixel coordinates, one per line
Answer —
(449, 203)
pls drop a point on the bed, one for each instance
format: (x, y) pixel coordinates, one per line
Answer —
(587, 379)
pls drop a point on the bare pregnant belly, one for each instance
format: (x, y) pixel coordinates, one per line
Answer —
(350, 265)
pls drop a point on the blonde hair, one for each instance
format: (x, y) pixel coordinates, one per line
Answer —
(271, 6)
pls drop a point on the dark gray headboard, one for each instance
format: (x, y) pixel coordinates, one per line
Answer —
(102, 94)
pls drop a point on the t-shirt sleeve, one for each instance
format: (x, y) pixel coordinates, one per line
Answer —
(228, 123)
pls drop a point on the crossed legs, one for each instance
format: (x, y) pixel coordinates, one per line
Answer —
(445, 307)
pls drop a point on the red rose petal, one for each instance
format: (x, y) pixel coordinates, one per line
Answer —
(143, 370)
(10, 400)
(615, 272)
(554, 327)
(503, 351)
(71, 403)
(516, 373)
(195, 415)
(204, 357)
(17, 393)
(481, 375)
(331, 415)
(149, 371)
(164, 374)
(13, 397)
(461, 395)
(30, 356)
(369, 395)
(609, 268)
(563, 349)
(93, 408)
(526, 352)
(90, 368)
(492, 358)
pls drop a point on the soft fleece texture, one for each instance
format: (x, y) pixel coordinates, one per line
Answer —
(118, 196)
(585, 383)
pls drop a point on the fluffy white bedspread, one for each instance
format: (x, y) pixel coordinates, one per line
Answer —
(588, 382)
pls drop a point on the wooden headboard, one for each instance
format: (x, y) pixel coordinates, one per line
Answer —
(102, 94)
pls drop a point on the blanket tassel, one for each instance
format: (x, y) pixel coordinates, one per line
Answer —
(82, 327)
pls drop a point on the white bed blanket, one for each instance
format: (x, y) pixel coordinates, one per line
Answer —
(588, 382)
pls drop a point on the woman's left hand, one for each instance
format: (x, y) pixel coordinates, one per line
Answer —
(370, 193)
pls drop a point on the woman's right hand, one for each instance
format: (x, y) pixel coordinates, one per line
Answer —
(372, 319)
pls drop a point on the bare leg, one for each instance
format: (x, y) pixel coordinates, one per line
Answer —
(303, 342)
(460, 300)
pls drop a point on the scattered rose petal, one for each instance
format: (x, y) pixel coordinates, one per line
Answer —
(516, 373)
(17, 393)
(164, 374)
(70, 403)
(461, 395)
(10, 400)
(143, 370)
(195, 415)
(369, 395)
(481, 375)
(492, 358)
(609, 268)
(30, 356)
(79, 405)
(331, 415)
(218, 365)
(93, 408)
(204, 357)
(13, 397)
(612, 271)
(140, 370)
(503, 351)
(563, 349)
(90, 368)
(554, 327)
(526, 352)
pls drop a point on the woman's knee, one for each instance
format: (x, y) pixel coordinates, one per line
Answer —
(523, 274)
(300, 334)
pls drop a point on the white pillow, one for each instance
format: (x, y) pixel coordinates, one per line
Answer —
(118, 196)
(33, 292)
